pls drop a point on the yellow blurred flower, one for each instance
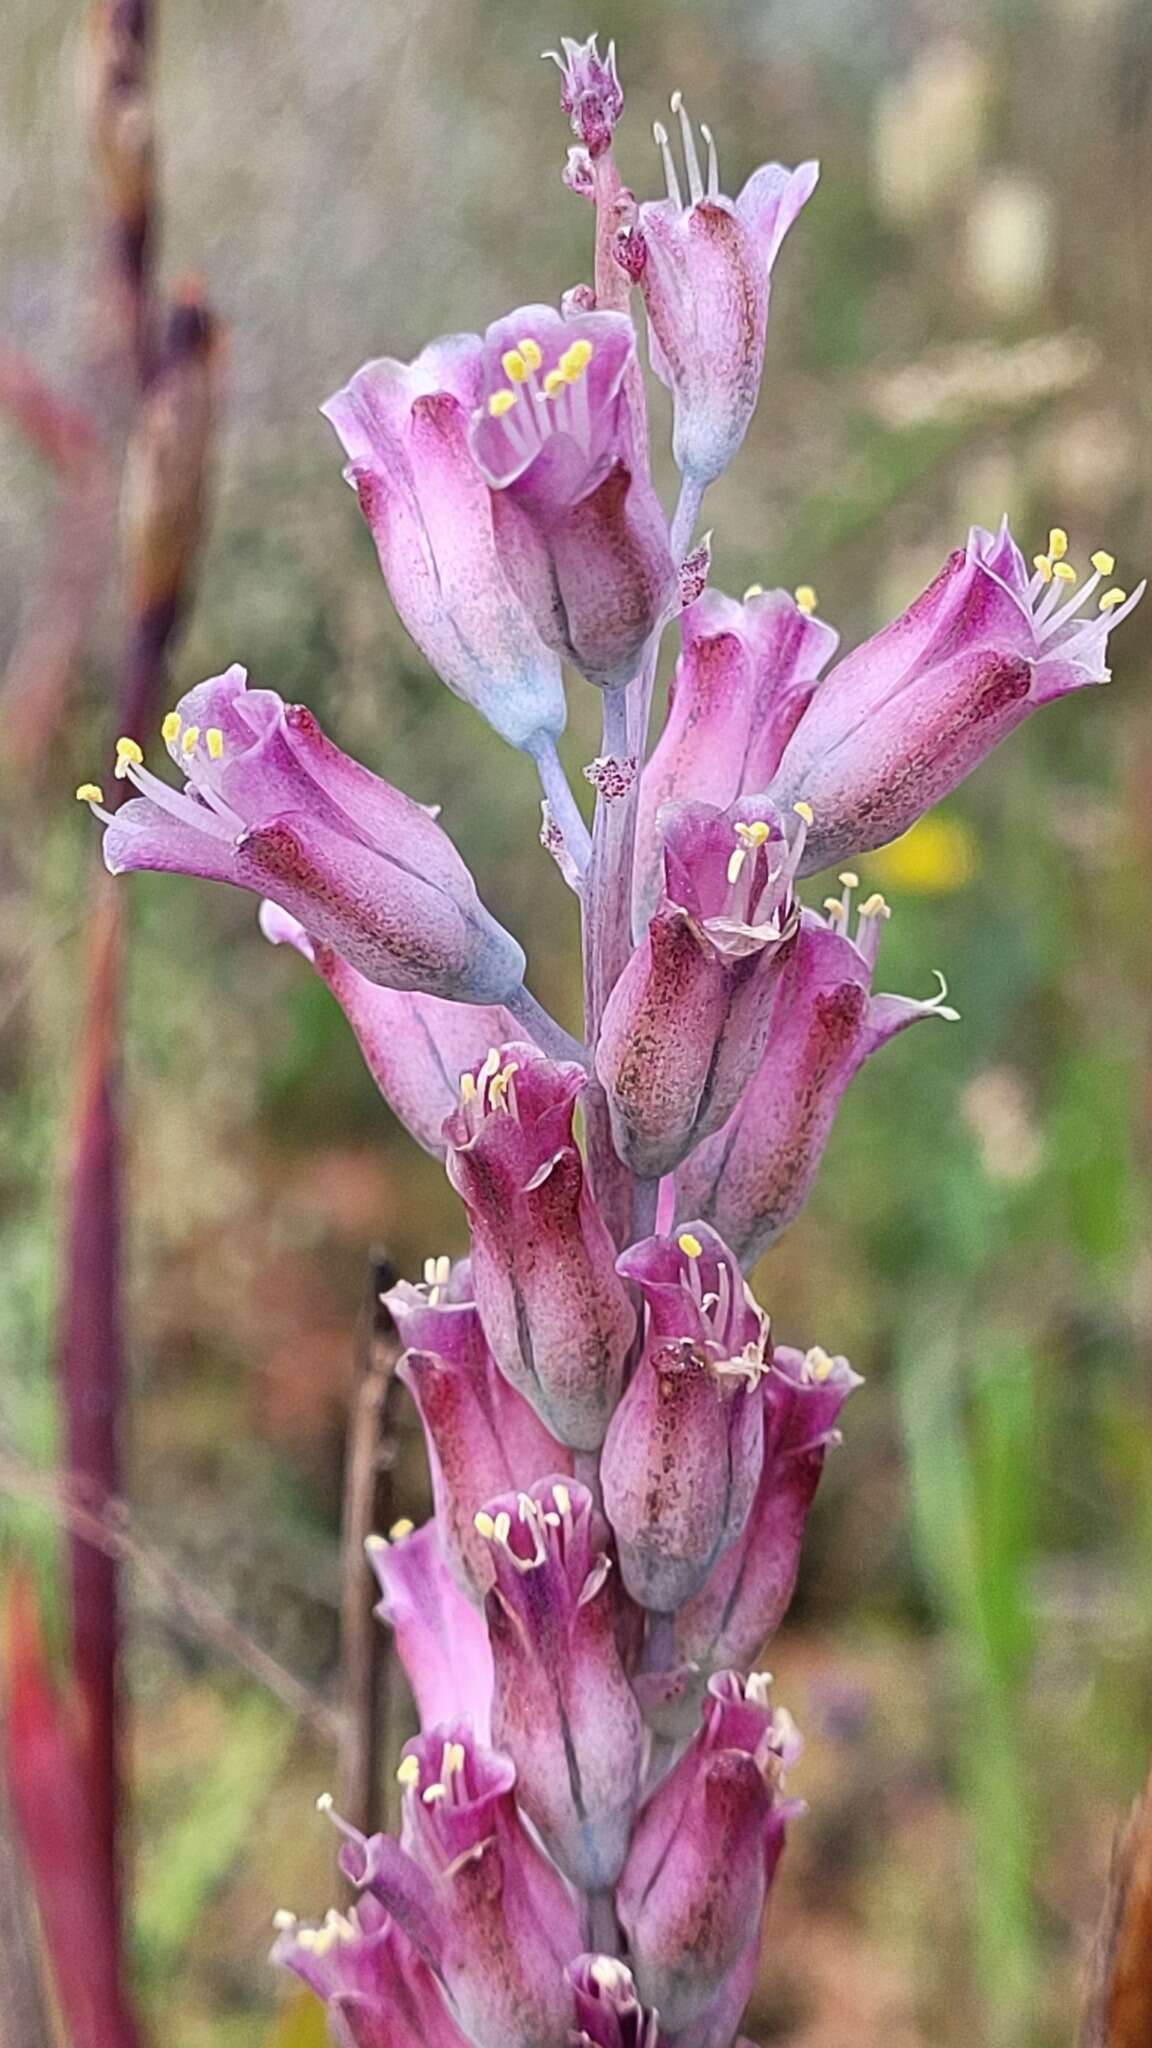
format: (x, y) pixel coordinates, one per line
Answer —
(938, 855)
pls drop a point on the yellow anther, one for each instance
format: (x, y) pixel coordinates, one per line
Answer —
(214, 740)
(89, 793)
(453, 1758)
(502, 1527)
(190, 740)
(500, 403)
(554, 382)
(284, 1921)
(468, 1088)
(170, 730)
(805, 812)
(817, 1364)
(575, 361)
(129, 753)
(834, 907)
(690, 1245)
(432, 1794)
(1064, 572)
(400, 1529)
(1111, 599)
(562, 1497)
(514, 366)
(753, 590)
(1057, 543)
(1103, 562)
(850, 880)
(484, 1526)
(735, 863)
(805, 598)
(874, 907)
(754, 834)
(374, 1544)
(530, 350)
(1044, 566)
(408, 1771)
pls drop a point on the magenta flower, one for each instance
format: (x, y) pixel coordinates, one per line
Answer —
(405, 429)
(608, 2012)
(900, 722)
(484, 1909)
(482, 1436)
(683, 1452)
(378, 1990)
(578, 525)
(554, 1309)
(441, 1641)
(563, 1707)
(705, 1850)
(746, 1595)
(705, 271)
(269, 804)
(745, 673)
(687, 1022)
(590, 91)
(753, 1177)
(415, 1047)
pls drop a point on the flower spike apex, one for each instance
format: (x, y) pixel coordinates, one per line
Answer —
(590, 91)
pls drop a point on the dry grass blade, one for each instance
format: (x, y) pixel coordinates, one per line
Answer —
(1119, 2008)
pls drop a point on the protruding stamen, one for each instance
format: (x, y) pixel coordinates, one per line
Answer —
(660, 137)
(1064, 572)
(325, 1803)
(530, 351)
(214, 740)
(805, 813)
(691, 160)
(1043, 568)
(713, 165)
(850, 880)
(190, 741)
(1103, 562)
(433, 1794)
(753, 590)
(875, 906)
(129, 754)
(501, 402)
(484, 1526)
(1057, 544)
(805, 598)
(284, 1921)
(514, 366)
(1112, 598)
(835, 909)
(562, 1498)
(375, 1543)
(170, 729)
(400, 1529)
(408, 1771)
(690, 1245)
(817, 1364)
(575, 360)
(89, 793)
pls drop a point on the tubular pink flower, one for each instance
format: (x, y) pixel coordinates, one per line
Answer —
(753, 1177)
(415, 1047)
(683, 1452)
(482, 1436)
(553, 1307)
(901, 721)
(705, 1850)
(590, 91)
(484, 1909)
(377, 1988)
(578, 525)
(269, 804)
(745, 674)
(746, 1595)
(705, 272)
(563, 1707)
(688, 1020)
(404, 428)
(441, 1640)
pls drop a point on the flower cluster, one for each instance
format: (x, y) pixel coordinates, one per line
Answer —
(623, 1458)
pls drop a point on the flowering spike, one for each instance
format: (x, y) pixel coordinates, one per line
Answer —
(590, 91)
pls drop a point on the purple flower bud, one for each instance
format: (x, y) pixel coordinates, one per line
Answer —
(900, 722)
(683, 1452)
(482, 1436)
(579, 528)
(485, 1910)
(269, 804)
(554, 1309)
(414, 1046)
(376, 1987)
(706, 280)
(746, 1595)
(745, 673)
(404, 428)
(441, 1640)
(705, 1849)
(608, 2012)
(687, 1022)
(563, 1707)
(590, 92)
(753, 1177)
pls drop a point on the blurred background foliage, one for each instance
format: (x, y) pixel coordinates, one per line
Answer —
(961, 327)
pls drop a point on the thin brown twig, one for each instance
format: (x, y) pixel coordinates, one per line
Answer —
(363, 1644)
(181, 1602)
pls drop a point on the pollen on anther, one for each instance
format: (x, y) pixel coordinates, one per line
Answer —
(875, 906)
(400, 1529)
(1064, 572)
(850, 880)
(484, 1526)
(190, 740)
(834, 907)
(1111, 599)
(805, 812)
(554, 382)
(690, 1245)
(500, 403)
(514, 366)
(530, 350)
(408, 1771)
(805, 598)
(575, 360)
(89, 793)
(1057, 543)
(129, 753)
(170, 729)
(1043, 567)
(1103, 562)
(753, 590)
(562, 1498)
(214, 740)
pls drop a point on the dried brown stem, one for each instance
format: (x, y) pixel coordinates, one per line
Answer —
(366, 1505)
(1118, 2013)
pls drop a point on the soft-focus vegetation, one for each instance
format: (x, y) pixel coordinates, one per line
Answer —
(960, 328)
